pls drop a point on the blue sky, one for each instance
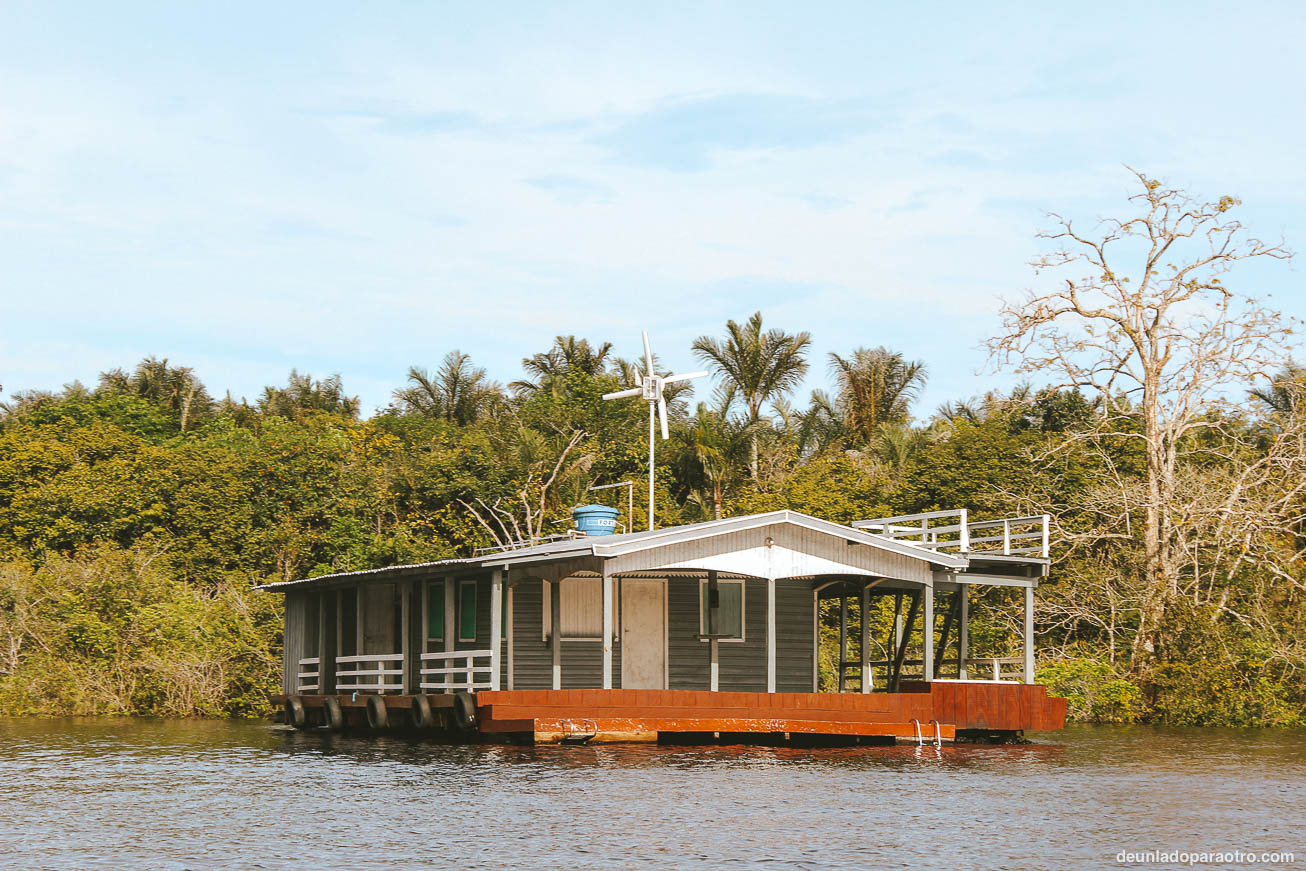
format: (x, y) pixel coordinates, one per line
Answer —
(247, 188)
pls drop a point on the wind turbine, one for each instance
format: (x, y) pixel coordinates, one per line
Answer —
(650, 389)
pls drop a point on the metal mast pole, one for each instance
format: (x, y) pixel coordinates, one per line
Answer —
(651, 442)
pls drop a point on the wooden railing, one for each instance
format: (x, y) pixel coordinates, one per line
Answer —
(456, 670)
(386, 676)
(995, 663)
(992, 664)
(309, 677)
(951, 531)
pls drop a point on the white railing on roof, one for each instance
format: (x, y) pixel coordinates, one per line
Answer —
(951, 530)
(518, 544)
(457, 670)
(387, 675)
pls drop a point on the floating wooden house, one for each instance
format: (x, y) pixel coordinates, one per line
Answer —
(708, 631)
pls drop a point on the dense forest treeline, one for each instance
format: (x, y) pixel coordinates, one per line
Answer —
(136, 515)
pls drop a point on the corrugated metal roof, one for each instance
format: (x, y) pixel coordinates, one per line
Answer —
(629, 542)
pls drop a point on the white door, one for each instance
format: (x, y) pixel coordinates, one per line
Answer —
(643, 634)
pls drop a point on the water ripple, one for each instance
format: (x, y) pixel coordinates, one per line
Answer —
(118, 794)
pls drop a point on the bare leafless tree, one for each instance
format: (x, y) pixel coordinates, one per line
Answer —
(522, 519)
(1146, 320)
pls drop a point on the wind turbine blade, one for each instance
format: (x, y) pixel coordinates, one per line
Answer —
(648, 355)
(685, 377)
(662, 417)
(622, 394)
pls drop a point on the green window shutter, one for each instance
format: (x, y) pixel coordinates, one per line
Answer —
(467, 612)
(730, 617)
(435, 610)
(503, 614)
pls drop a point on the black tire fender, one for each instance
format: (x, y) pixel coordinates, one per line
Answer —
(464, 710)
(332, 713)
(422, 715)
(378, 715)
(296, 714)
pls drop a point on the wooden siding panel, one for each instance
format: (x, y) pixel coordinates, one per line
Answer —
(742, 665)
(794, 617)
(292, 640)
(582, 661)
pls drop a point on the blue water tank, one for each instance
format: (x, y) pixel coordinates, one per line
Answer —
(595, 519)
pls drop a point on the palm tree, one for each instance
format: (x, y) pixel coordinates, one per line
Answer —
(761, 366)
(876, 386)
(823, 424)
(712, 447)
(548, 370)
(896, 445)
(1283, 395)
(458, 392)
(302, 395)
(173, 387)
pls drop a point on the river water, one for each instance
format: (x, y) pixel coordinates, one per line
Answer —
(130, 794)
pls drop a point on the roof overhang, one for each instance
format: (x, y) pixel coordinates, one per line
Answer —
(628, 545)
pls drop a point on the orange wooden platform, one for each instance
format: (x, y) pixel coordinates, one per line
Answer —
(634, 715)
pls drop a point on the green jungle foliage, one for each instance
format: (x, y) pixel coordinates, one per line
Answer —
(136, 518)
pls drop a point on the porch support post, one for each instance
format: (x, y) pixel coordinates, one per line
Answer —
(405, 639)
(507, 635)
(868, 679)
(927, 634)
(555, 630)
(770, 635)
(496, 621)
(326, 662)
(843, 637)
(1029, 634)
(607, 626)
(713, 624)
(963, 632)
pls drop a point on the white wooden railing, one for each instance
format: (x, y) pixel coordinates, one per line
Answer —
(456, 670)
(951, 530)
(993, 664)
(309, 677)
(385, 675)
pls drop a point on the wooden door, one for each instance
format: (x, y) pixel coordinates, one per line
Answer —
(643, 634)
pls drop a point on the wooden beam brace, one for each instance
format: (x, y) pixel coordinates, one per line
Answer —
(949, 618)
(904, 633)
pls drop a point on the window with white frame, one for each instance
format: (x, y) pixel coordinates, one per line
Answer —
(730, 610)
(581, 607)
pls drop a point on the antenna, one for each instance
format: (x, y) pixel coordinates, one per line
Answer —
(650, 390)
